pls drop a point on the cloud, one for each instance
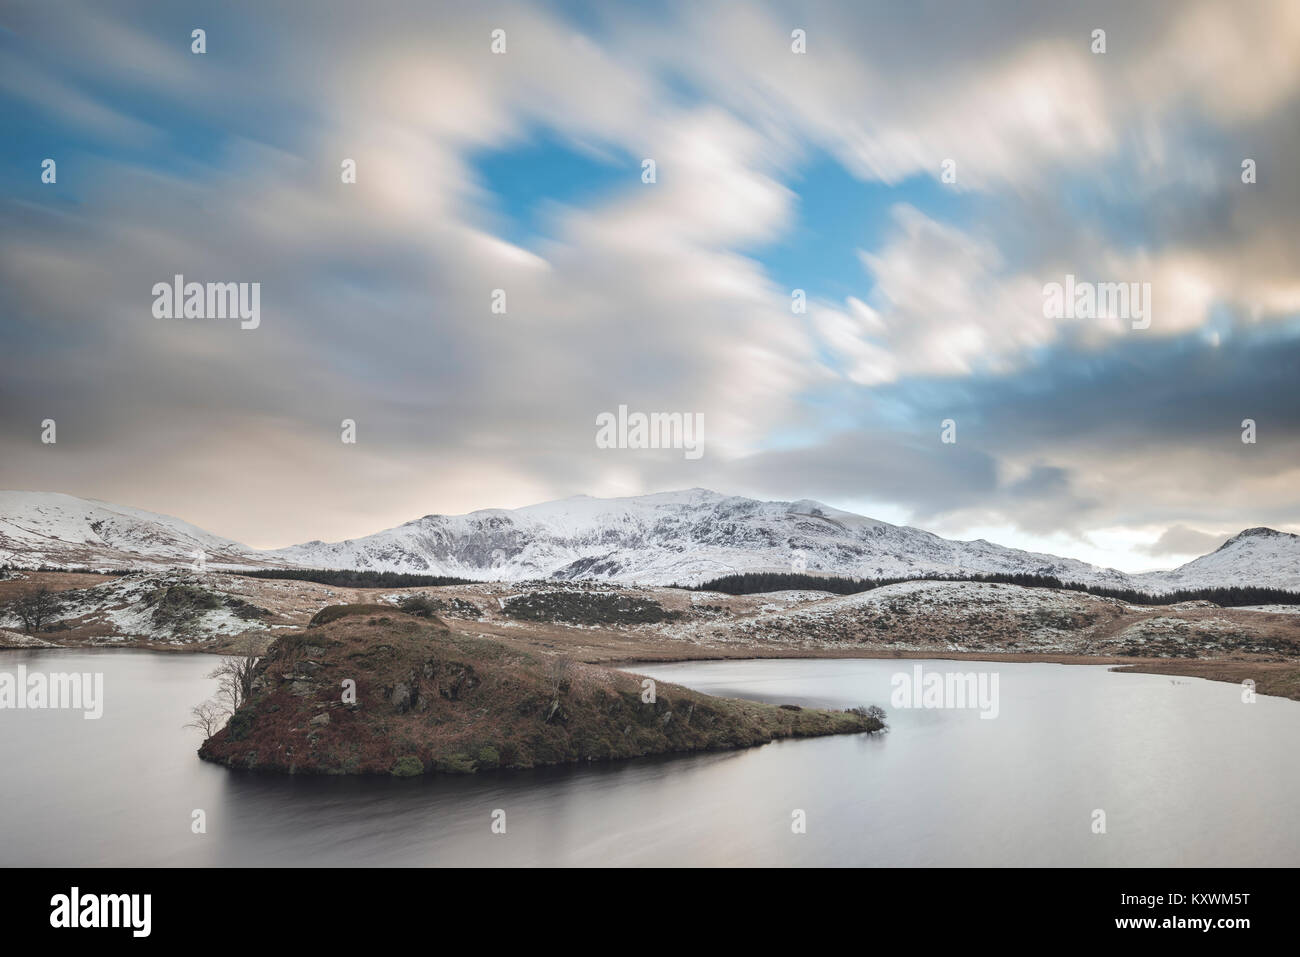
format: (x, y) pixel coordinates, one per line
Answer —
(1181, 540)
(376, 302)
(376, 297)
(1128, 436)
(940, 306)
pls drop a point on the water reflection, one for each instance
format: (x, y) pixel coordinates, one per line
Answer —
(1186, 774)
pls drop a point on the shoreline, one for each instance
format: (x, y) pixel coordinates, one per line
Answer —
(1275, 679)
(189, 614)
(1279, 679)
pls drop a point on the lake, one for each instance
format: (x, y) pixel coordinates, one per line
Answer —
(1184, 771)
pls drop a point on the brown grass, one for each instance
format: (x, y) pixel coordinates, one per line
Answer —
(430, 698)
(1281, 678)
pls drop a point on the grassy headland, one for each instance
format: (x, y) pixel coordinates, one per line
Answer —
(428, 699)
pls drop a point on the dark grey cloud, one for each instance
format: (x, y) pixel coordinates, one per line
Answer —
(1142, 432)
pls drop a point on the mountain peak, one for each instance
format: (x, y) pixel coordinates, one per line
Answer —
(1259, 531)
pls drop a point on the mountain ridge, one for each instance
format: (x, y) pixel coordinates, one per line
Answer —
(683, 536)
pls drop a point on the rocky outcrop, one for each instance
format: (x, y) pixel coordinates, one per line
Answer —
(368, 693)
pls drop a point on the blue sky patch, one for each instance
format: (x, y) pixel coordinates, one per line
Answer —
(529, 180)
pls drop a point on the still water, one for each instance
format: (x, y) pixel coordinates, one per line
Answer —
(1185, 773)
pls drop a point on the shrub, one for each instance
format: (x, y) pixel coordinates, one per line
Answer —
(489, 757)
(408, 766)
(246, 610)
(241, 722)
(873, 713)
(587, 609)
(457, 763)
(421, 605)
(334, 612)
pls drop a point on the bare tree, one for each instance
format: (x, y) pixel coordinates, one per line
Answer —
(208, 718)
(561, 674)
(235, 677)
(872, 713)
(36, 608)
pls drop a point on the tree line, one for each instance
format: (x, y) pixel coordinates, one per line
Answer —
(750, 583)
(348, 578)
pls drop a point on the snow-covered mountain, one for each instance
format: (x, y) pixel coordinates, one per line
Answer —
(1257, 556)
(46, 528)
(671, 537)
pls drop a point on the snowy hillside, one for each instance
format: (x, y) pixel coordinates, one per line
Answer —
(1257, 556)
(672, 537)
(46, 528)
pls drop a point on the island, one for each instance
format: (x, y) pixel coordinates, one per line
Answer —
(374, 689)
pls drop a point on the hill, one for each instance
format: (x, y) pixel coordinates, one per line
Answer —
(430, 699)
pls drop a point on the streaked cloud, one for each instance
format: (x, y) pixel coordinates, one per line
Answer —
(1116, 167)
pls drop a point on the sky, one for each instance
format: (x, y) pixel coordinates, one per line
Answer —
(921, 172)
